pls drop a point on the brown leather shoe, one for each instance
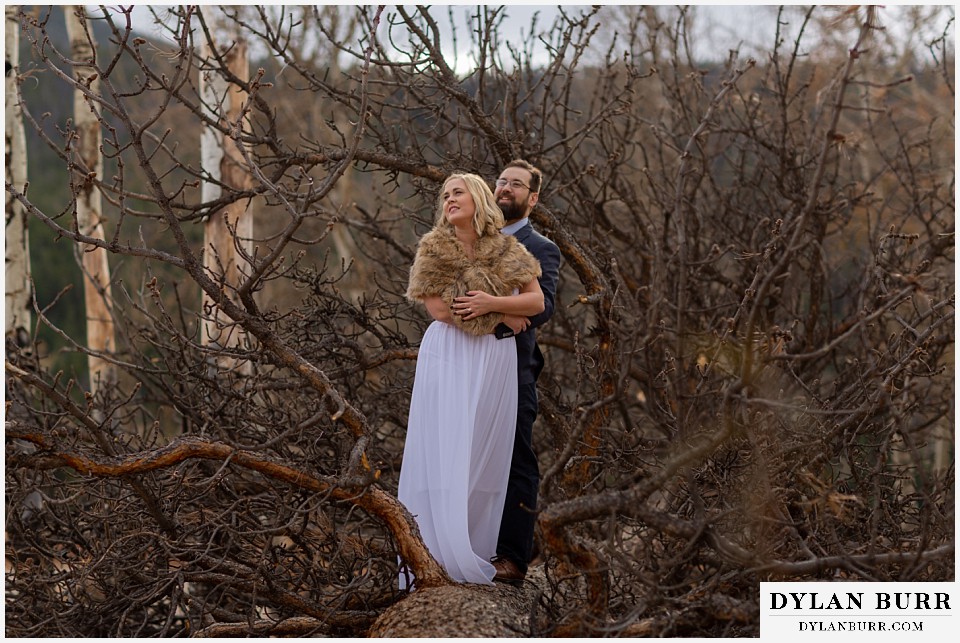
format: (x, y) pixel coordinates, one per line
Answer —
(507, 571)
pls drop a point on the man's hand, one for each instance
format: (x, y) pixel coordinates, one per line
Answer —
(516, 323)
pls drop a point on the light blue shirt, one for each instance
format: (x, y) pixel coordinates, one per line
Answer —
(515, 226)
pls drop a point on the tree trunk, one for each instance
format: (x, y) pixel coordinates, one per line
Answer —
(463, 610)
(15, 149)
(96, 287)
(230, 228)
(343, 241)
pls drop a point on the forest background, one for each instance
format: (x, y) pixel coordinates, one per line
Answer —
(749, 374)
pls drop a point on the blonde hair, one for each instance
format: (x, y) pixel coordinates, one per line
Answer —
(487, 217)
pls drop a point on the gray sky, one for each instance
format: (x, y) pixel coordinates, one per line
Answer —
(718, 28)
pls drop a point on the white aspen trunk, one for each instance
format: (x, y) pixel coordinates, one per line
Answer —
(231, 227)
(17, 249)
(343, 241)
(97, 293)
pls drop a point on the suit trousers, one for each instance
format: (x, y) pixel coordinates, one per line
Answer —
(519, 512)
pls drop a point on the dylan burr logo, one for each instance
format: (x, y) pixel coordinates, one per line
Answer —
(921, 610)
(855, 600)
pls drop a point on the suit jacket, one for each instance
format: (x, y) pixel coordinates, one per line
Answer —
(529, 357)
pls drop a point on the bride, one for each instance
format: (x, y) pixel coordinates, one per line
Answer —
(463, 410)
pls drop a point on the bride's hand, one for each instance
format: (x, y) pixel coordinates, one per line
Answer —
(474, 304)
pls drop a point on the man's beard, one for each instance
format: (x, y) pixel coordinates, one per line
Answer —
(513, 211)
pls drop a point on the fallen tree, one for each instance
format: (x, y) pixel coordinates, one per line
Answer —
(747, 373)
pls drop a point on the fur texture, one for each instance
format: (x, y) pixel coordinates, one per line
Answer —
(441, 268)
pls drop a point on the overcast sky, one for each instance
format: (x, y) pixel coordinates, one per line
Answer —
(719, 27)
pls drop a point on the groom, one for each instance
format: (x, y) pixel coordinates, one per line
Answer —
(517, 192)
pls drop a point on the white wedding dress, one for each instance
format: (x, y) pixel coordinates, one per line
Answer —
(459, 444)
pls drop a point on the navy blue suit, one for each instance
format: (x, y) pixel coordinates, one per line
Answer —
(516, 528)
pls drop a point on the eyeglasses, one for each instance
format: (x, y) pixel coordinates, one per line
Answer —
(514, 184)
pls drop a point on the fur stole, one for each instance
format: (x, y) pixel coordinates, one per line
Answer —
(441, 268)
